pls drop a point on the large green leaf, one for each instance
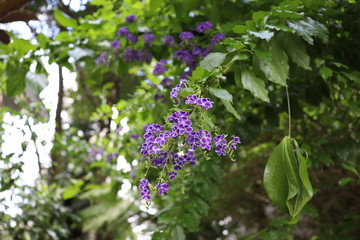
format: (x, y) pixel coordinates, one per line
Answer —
(178, 233)
(255, 85)
(276, 69)
(310, 28)
(296, 50)
(212, 60)
(229, 107)
(286, 180)
(221, 93)
(64, 20)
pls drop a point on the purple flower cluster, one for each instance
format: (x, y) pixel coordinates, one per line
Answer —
(181, 123)
(103, 59)
(186, 35)
(199, 51)
(180, 159)
(112, 156)
(236, 141)
(166, 83)
(124, 31)
(130, 18)
(153, 142)
(204, 26)
(217, 38)
(160, 68)
(137, 55)
(163, 188)
(175, 91)
(187, 58)
(201, 102)
(144, 189)
(115, 44)
(220, 145)
(172, 175)
(169, 41)
(149, 38)
(200, 138)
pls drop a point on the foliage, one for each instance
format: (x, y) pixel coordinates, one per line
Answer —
(260, 70)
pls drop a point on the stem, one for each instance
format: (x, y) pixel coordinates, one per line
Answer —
(289, 111)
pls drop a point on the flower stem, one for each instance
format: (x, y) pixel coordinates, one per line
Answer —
(289, 111)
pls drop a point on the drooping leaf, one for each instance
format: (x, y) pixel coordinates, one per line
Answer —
(212, 60)
(286, 179)
(221, 93)
(277, 69)
(255, 85)
(296, 50)
(64, 20)
(229, 107)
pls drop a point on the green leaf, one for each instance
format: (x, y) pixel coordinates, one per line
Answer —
(267, 35)
(212, 60)
(15, 82)
(310, 28)
(350, 168)
(345, 181)
(277, 69)
(255, 85)
(325, 72)
(70, 191)
(240, 29)
(286, 180)
(190, 221)
(178, 233)
(64, 20)
(229, 107)
(296, 50)
(221, 93)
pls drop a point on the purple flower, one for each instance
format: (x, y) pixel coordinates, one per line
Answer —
(190, 157)
(169, 41)
(163, 188)
(149, 38)
(131, 38)
(192, 99)
(131, 18)
(166, 83)
(220, 144)
(175, 91)
(205, 103)
(236, 141)
(186, 74)
(181, 122)
(204, 26)
(115, 44)
(135, 136)
(140, 55)
(201, 102)
(172, 175)
(217, 38)
(144, 189)
(111, 156)
(123, 31)
(187, 58)
(200, 138)
(159, 67)
(102, 59)
(186, 35)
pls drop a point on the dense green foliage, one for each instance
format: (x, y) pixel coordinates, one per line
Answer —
(285, 79)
